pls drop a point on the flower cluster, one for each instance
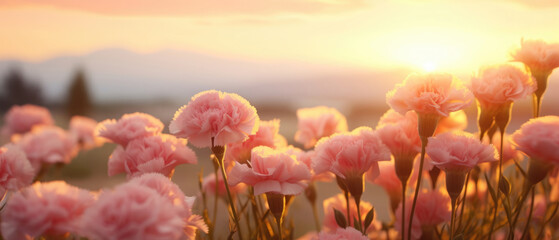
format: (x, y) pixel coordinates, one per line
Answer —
(259, 175)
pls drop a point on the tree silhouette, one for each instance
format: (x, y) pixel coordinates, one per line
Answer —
(18, 91)
(78, 101)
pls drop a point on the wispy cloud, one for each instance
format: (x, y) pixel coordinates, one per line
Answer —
(197, 7)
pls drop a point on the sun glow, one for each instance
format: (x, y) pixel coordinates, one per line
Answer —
(429, 66)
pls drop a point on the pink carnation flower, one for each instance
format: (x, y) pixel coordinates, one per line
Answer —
(45, 209)
(497, 85)
(15, 170)
(83, 130)
(399, 133)
(167, 189)
(271, 171)
(350, 154)
(537, 55)
(318, 122)
(459, 151)
(129, 127)
(307, 157)
(267, 135)
(133, 211)
(539, 138)
(429, 93)
(341, 234)
(47, 145)
(432, 209)
(159, 153)
(21, 119)
(224, 117)
(338, 202)
(455, 121)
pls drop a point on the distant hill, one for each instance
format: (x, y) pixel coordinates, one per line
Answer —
(122, 75)
(118, 75)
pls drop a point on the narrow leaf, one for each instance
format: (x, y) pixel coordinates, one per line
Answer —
(504, 186)
(490, 188)
(340, 218)
(369, 218)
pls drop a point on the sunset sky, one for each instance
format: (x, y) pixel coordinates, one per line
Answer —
(429, 34)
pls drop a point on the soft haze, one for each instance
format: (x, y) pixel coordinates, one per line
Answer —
(252, 43)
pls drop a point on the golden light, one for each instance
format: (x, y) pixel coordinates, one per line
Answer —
(429, 66)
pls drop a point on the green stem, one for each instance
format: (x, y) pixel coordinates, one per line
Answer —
(216, 193)
(417, 185)
(463, 201)
(403, 210)
(346, 194)
(280, 228)
(529, 215)
(316, 220)
(453, 216)
(358, 204)
(519, 208)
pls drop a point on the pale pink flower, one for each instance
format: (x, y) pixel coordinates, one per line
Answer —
(539, 139)
(209, 184)
(271, 171)
(537, 55)
(15, 170)
(133, 211)
(399, 133)
(224, 117)
(318, 122)
(48, 209)
(129, 127)
(338, 202)
(159, 153)
(429, 93)
(432, 209)
(307, 157)
(350, 154)
(341, 234)
(47, 145)
(459, 151)
(455, 121)
(497, 85)
(267, 135)
(83, 130)
(167, 189)
(21, 119)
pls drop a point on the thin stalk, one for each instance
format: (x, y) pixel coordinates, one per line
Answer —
(529, 215)
(216, 193)
(463, 201)
(453, 216)
(519, 206)
(418, 184)
(280, 228)
(403, 210)
(316, 220)
(358, 204)
(502, 128)
(346, 194)
(231, 203)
